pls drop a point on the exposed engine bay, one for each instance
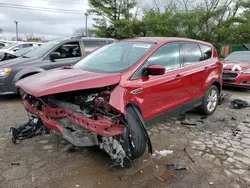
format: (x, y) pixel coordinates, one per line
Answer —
(85, 118)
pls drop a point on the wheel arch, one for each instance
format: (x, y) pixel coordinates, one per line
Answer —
(218, 85)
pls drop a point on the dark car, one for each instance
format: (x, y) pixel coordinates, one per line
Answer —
(104, 99)
(50, 55)
(236, 70)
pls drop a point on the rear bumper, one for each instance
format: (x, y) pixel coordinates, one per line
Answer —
(103, 127)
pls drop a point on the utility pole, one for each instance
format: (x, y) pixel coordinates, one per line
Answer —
(16, 22)
(127, 10)
(86, 28)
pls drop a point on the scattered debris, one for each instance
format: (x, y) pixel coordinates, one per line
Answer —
(211, 183)
(222, 97)
(162, 153)
(203, 117)
(15, 163)
(189, 156)
(28, 130)
(189, 123)
(176, 166)
(163, 177)
(235, 131)
(246, 122)
(233, 118)
(182, 117)
(77, 185)
(238, 104)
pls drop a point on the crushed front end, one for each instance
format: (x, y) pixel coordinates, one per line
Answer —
(84, 118)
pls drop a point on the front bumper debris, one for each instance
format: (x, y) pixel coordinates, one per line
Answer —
(103, 127)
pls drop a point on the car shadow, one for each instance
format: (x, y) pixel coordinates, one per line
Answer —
(10, 97)
(231, 88)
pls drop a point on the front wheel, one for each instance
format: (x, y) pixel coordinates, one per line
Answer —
(210, 101)
(138, 140)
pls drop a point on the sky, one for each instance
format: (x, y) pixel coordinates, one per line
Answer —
(50, 25)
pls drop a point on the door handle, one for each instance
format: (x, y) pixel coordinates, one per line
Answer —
(178, 76)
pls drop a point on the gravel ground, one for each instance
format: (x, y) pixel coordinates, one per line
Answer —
(215, 151)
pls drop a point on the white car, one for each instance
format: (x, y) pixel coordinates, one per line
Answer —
(15, 47)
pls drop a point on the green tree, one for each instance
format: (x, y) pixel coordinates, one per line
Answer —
(111, 16)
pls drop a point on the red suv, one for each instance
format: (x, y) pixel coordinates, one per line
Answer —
(105, 98)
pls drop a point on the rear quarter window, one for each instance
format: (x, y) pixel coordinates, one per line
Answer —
(207, 51)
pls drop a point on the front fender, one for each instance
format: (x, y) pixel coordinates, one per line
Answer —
(26, 71)
(120, 97)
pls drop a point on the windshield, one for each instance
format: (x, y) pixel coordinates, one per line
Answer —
(8, 46)
(116, 57)
(23, 51)
(41, 50)
(242, 56)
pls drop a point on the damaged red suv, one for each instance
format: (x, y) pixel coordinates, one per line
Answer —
(106, 97)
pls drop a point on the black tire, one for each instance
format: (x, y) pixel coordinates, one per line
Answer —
(136, 131)
(203, 109)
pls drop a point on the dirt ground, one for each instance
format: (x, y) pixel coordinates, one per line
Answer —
(215, 151)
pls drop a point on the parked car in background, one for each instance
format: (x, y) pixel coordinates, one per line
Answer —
(105, 98)
(18, 46)
(50, 55)
(236, 69)
(7, 56)
(6, 43)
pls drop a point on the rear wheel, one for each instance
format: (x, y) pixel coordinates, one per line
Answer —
(135, 126)
(210, 101)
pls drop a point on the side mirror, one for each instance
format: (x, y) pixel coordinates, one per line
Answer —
(54, 55)
(15, 49)
(155, 70)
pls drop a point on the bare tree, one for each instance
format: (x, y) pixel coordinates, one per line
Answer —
(81, 32)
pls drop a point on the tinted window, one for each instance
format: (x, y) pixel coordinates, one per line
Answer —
(27, 45)
(69, 50)
(167, 56)
(93, 43)
(207, 51)
(191, 53)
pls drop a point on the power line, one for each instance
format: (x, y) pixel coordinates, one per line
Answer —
(69, 2)
(41, 8)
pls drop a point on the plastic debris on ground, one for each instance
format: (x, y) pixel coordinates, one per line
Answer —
(176, 166)
(28, 130)
(239, 103)
(162, 153)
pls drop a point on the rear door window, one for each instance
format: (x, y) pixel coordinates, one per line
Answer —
(191, 54)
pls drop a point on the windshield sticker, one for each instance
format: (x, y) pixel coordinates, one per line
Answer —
(141, 46)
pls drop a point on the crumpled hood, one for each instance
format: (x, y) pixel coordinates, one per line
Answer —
(64, 80)
(235, 66)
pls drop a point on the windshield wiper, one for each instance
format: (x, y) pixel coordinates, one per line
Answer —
(24, 56)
